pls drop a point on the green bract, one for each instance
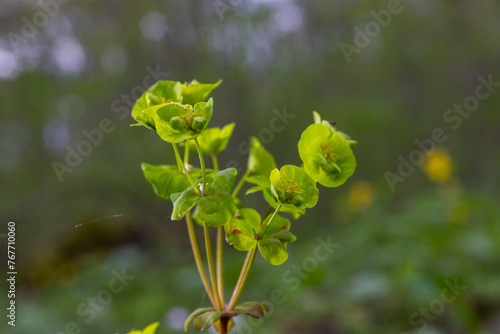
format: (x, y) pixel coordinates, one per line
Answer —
(245, 232)
(260, 161)
(293, 188)
(272, 244)
(166, 180)
(242, 229)
(317, 119)
(215, 206)
(160, 93)
(195, 92)
(177, 122)
(260, 164)
(326, 155)
(214, 140)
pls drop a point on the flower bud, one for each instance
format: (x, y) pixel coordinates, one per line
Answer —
(177, 124)
(199, 123)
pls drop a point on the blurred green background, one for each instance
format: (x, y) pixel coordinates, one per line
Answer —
(65, 71)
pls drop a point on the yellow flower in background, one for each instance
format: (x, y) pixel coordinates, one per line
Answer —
(360, 195)
(438, 165)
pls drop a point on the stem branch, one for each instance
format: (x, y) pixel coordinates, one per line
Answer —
(197, 258)
(211, 268)
(179, 162)
(202, 162)
(240, 184)
(220, 271)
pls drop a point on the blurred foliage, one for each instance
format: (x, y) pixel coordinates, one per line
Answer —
(395, 248)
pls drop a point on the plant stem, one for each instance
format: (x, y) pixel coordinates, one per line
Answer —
(215, 162)
(245, 270)
(240, 184)
(268, 212)
(211, 268)
(186, 153)
(179, 162)
(269, 222)
(223, 323)
(220, 271)
(202, 162)
(197, 259)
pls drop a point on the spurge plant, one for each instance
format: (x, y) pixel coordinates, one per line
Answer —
(180, 116)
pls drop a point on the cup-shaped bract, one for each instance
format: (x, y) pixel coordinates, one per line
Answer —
(214, 140)
(177, 122)
(293, 188)
(326, 155)
(194, 92)
(160, 93)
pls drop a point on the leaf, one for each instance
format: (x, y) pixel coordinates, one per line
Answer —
(327, 156)
(214, 140)
(207, 319)
(216, 210)
(165, 91)
(166, 180)
(183, 202)
(241, 230)
(273, 243)
(196, 312)
(260, 161)
(223, 181)
(150, 329)
(293, 188)
(253, 309)
(195, 92)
